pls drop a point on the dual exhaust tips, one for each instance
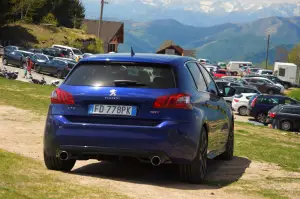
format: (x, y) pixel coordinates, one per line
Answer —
(155, 160)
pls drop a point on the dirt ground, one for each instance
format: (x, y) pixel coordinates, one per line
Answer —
(21, 132)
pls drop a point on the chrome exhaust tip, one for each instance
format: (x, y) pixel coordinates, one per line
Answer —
(155, 161)
(63, 155)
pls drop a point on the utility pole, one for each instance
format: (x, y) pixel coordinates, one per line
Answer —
(268, 46)
(101, 16)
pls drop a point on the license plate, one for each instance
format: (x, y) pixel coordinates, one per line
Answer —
(103, 109)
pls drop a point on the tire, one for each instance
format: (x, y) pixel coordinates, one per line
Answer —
(54, 163)
(271, 92)
(286, 126)
(228, 153)
(261, 117)
(195, 171)
(5, 62)
(243, 111)
(59, 74)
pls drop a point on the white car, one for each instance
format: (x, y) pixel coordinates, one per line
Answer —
(240, 103)
(268, 81)
(264, 72)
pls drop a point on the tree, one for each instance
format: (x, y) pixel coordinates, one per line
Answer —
(294, 55)
(5, 9)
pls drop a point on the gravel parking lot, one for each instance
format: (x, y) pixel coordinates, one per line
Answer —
(34, 74)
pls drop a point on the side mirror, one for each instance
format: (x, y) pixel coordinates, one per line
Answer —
(228, 91)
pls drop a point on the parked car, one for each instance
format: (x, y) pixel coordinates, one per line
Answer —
(263, 86)
(268, 81)
(234, 66)
(53, 67)
(35, 50)
(230, 78)
(54, 52)
(251, 71)
(237, 90)
(86, 55)
(285, 117)
(259, 105)
(16, 58)
(38, 58)
(222, 65)
(221, 73)
(274, 79)
(9, 49)
(240, 103)
(101, 111)
(204, 61)
(73, 53)
(1, 50)
(264, 72)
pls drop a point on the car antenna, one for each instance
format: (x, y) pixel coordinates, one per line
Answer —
(132, 52)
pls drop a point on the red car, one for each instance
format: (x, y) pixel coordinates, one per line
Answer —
(221, 73)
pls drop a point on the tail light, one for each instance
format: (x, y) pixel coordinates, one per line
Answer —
(181, 101)
(272, 115)
(60, 96)
(236, 100)
(253, 102)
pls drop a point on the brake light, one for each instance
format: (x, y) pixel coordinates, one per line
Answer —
(272, 115)
(181, 101)
(60, 96)
(253, 102)
(236, 100)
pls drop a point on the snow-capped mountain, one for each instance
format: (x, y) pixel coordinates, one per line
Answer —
(195, 12)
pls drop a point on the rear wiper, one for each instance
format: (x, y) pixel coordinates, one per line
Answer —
(127, 83)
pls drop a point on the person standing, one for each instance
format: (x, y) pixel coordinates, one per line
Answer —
(29, 65)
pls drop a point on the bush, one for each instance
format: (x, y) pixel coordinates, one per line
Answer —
(49, 19)
(95, 47)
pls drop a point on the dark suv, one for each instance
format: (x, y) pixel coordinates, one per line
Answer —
(110, 107)
(259, 105)
(274, 79)
(263, 86)
(285, 117)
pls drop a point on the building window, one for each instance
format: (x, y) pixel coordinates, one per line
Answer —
(112, 48)
(281, 72)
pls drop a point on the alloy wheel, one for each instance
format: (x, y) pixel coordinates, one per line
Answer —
(243, 111)
(261, 118)
(286, 126)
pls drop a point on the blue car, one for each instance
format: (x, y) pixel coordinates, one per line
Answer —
(159, 109)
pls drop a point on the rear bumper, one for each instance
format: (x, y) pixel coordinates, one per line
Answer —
(174, 141)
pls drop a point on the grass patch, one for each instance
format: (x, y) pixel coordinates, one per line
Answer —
(25, 95)
(294, 93)
(22, 177)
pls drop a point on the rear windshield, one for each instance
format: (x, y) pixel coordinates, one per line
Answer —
(156, 76)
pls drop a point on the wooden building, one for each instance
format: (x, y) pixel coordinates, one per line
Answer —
(169, 47)
(112, 33)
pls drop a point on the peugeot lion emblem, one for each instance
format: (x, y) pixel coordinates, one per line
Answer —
(113, 92)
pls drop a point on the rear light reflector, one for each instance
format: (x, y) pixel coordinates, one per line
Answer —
(272, 115)
(181, 101)
(60, 96)
(236, 100)
(253, 102)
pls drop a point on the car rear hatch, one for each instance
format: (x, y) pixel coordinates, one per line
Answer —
(121, 94)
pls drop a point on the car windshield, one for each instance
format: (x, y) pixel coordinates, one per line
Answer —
(123, 75)
(76, 51)
(42, 57)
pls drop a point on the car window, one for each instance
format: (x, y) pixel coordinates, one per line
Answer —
(129, 75)
(287, 110)
(296, 111)
(197, 76)
(248, 90)
(211, 86)
(249, 97)
(239, 90)
(270, 101)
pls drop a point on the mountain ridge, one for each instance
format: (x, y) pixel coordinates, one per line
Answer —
(220, 42)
